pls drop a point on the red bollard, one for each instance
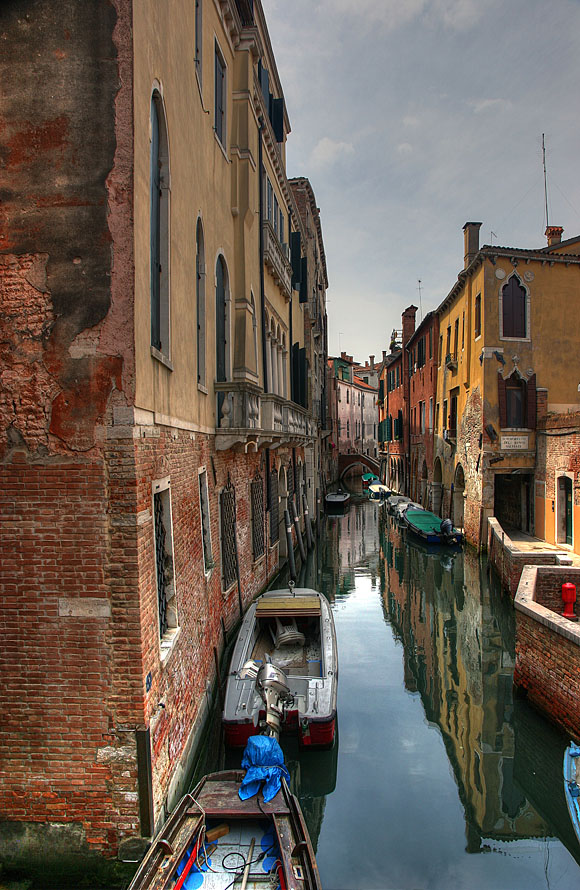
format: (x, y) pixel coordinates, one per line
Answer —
(569, 598)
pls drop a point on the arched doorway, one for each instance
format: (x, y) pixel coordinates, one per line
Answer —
(437, 488)
(458, 497)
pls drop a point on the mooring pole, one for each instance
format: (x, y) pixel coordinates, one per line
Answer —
(290, 545)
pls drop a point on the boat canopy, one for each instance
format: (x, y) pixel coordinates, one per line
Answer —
(424, 520)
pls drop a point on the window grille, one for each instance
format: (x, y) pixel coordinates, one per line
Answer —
(160, 559)
(228, 534)
(257, 500)
(290, 482)
(205, 522)
(274, 533)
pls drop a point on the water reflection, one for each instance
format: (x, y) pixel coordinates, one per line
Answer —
(451, 632)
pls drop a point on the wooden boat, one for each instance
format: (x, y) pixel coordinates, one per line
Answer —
(368, 479)
(294, 629)
(378, 491)
(429, 527)
(572, 784)
(214, 840)
(337, 500)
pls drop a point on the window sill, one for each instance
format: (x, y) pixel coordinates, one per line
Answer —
(168, 641)
(158, 356)
(259, 560)
(516, 339)
(229, 590)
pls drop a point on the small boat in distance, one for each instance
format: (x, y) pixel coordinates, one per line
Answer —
(429, 527)
(337, 500)
(368, 479)
(572, 784)
(294, 630)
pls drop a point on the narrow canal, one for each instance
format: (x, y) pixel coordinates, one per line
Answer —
(440, 777)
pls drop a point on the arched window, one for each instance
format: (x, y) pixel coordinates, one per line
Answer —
(514, 306)
(254, 364)
(159, 227)
(200, 303)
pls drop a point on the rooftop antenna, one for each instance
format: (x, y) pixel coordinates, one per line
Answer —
(492, 236)
(545, 179)
(420, 303)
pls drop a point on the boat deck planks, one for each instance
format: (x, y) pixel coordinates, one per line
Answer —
(280, 606)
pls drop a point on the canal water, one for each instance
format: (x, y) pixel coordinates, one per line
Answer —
(440, 778)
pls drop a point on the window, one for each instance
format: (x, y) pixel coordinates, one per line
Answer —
(205, 521)
(453, 417)
(276, 214)
(269, 201)
(347, 396)
(440, 348)
(463, 332)
(398, 375)
(200, 303)
(513, 313)
(515, 402)
(421, 352)
(228, 535)
(431, 415)
(159, 228)
(430, 342)
(347, 429)
(220, 97)
(198, 39)
(221, 329)
(448, 350)
(164, 563)
(477, 326)
(456, 338)
(257, 501)
(422, 416)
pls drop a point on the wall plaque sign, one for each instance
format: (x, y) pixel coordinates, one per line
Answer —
(514, 443)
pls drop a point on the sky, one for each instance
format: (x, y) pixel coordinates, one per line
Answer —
(413, 117)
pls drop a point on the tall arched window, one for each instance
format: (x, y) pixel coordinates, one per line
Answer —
(200, 303)
(514, 306)
(159, 227)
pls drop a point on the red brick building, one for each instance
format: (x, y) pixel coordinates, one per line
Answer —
(422, 351)
(394, 433)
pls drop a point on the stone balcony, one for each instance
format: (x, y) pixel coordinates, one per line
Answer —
(276, 259)
(249, 419)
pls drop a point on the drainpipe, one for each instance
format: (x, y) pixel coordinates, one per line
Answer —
(261, 220)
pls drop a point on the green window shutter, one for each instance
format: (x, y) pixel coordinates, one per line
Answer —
(277, 118)
(295, 258)
(303, 280)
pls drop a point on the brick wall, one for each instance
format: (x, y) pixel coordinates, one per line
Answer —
(508, 561)
(548, 649)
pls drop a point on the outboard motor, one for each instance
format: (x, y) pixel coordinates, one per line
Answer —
(447, 529)
(272, 684)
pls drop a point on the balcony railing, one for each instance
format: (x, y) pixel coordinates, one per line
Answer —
(247, 417)
(451, 360)
(276, 259)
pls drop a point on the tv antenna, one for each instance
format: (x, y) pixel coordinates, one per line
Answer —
(420, 303)
(545, 179)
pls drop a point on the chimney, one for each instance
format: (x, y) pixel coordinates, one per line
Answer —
(371, 362)
(470, 241)
(554, 235)
(384, 354)
(343, 355)
(408, 318)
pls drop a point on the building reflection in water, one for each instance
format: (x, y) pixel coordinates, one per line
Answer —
(458, 637)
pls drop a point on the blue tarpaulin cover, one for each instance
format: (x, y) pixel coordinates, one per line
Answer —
(263, 761)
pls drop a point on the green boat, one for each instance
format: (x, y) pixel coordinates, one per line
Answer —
(431, 528)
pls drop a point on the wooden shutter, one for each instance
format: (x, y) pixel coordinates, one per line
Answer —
(501, 398)
(531, 403)
(277, 118)
(295, 258)
(303, 280)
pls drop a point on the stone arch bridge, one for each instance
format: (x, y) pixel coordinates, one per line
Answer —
(347, 462)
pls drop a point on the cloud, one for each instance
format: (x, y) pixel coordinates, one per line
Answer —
(405, 148)
(480, 105)
(328, 151)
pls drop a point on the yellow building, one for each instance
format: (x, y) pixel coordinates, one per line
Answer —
(506, 360)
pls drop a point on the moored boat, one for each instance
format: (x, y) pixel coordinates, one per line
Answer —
(214, 840)
(337, 500)
(378, 491)
(294, 630)
(368, 479)
(429, 527)
(572, 784)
